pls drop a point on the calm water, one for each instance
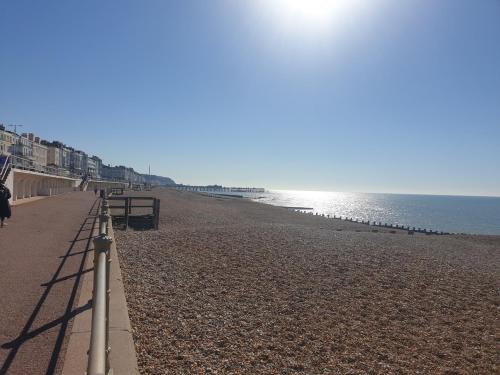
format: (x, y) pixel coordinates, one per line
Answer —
(458, 214)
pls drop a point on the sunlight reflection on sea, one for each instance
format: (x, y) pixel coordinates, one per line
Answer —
(458, 214)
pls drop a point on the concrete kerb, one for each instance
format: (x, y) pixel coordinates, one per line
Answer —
(123, 359)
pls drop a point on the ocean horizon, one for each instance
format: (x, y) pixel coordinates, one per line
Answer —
(447, 213)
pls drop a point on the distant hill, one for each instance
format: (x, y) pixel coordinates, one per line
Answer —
(158, 180)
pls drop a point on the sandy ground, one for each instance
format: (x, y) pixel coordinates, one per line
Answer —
(228, 286)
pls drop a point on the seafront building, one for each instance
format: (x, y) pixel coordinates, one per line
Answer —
(7, 140)
(39, 151)
(54, 155)
(32, 152)
(78, 162)
(122, 173)
(94, 166)
(31, 166)
(26, 146)
(23, 147)
(59, 155)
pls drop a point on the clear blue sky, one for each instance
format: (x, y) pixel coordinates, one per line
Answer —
(384, 96)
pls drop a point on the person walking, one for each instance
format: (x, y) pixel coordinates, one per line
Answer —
(95, 191)
(5, 211)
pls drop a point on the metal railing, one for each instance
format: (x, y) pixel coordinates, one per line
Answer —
(5, 162)
(98, 361)
(84, 182)
(151, 221)
(30, 165)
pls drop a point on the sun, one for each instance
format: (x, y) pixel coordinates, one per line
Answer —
(310, 16)
(312, 12)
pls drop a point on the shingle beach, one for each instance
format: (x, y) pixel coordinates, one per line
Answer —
(230, 286)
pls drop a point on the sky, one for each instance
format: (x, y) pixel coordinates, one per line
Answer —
(361, 95)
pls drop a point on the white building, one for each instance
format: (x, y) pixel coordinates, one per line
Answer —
(39, 151)
(24, 147)
(78, 162)
(7, 140)
(94, 166)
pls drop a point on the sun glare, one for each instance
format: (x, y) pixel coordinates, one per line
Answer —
(310, 16)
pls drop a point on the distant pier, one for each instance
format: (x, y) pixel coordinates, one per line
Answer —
(219, 189)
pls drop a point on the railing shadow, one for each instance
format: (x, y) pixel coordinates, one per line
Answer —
(27, 333)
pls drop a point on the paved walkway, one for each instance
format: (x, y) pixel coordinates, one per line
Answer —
(42, 257)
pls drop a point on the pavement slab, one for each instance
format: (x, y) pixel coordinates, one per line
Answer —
(43, 254)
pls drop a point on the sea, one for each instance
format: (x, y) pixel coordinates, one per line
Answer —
(454, 214)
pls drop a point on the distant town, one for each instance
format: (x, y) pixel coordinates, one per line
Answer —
(28, 151)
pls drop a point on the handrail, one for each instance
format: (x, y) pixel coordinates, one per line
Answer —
(108, 179)
(98, 361)
(4, 169)
(28, 164)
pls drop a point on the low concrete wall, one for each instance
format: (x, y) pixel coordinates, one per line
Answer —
(28, 184)
(123, 359)
(92, 184)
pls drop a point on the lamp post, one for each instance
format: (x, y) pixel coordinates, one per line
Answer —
(15, 127)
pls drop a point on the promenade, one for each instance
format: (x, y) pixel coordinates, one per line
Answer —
(43, 252)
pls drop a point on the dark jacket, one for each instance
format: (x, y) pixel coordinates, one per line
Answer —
(5, 211)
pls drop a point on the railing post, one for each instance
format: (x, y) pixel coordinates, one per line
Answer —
(157, 216)
(154, 212)
(108, 295)
(105, 205)
(99, 343)
(103, 222)
(127, 208)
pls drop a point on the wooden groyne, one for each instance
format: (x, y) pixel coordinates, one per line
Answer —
(309, 211)
(411, 230)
